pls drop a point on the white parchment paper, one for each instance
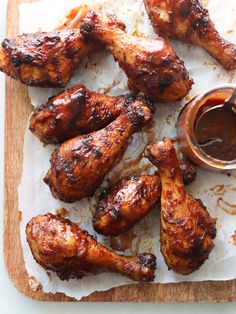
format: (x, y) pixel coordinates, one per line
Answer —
(103, 73)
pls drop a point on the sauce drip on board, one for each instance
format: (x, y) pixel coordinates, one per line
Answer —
(215, 131)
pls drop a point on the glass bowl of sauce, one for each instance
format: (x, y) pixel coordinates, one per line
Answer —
(209, 140)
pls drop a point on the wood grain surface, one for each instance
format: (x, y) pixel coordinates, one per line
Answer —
(17, 110)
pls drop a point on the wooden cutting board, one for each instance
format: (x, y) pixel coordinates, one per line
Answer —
(17, 110)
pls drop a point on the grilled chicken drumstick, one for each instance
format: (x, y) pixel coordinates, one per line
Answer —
(61, 246)
(187, 229)
(130, 200)
(76, 111)
(45, 59)
(150, 64)
(79, 165)
(125, 204)
(189, 21)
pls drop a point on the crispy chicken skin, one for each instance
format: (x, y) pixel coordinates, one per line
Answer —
(45, 59)
(76, 111)
(188, 171)
(150, 64)
(187, 229)
(79, 165)
(189, 21)
(61, 246)
(130, 200)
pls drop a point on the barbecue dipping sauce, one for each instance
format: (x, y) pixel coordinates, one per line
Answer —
(215, 132)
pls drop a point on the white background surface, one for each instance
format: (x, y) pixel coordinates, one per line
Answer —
(11, 301)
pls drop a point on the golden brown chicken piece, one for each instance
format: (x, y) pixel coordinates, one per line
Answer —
(150, 64)
(187, 229)
(76, 111)
(61, 246)
(125, 204)
(189, 21)
(131, 199)
(79, 165)
(45, 59)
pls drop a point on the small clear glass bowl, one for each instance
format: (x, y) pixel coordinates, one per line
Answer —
(186, 135)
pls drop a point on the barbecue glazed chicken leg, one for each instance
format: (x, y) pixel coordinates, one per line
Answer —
(61, 246)
(79, 165)
(150, 64)
(130, 200)
(76, 111)
(189, 21)
(187, 229)
(44, 59)
(47, 59)
(125, 204)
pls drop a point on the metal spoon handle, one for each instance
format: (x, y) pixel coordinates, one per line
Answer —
(230, 103)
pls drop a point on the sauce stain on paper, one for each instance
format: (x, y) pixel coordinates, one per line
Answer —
(228, 208)
(130, 168)
(73, 18)
(205, 2)
(233, 238)
(49, 275)
(62, 212)
(122, 242)
(218, 189)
